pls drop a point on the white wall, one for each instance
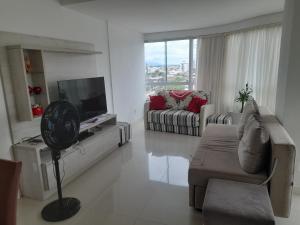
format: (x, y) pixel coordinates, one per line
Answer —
(288, 92)
(48, 18)
(67, 66)
(127, 72)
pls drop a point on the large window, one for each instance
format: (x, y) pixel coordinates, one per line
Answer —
(170, 65)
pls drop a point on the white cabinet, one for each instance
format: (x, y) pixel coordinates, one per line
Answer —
(38, 180)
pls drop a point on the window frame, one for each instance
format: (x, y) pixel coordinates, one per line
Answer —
(165, 83)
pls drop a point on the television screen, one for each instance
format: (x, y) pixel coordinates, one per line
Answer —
(87, 95)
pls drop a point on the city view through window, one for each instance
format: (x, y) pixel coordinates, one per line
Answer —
(170, 65)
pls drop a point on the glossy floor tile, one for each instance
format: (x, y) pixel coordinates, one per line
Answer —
(142, 183)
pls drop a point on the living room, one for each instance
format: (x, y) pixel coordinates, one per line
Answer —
(136, 160)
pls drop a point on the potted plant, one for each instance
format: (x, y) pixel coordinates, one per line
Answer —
(244, 96)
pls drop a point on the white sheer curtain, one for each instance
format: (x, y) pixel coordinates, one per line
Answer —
(210, 67)
(226, 64)
(252, 57)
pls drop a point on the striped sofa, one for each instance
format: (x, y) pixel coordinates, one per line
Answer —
(177, 121)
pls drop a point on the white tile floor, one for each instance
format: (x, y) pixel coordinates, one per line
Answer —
(142, 183)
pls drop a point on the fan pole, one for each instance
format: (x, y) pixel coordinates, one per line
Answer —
(62, 208)
(55, 157)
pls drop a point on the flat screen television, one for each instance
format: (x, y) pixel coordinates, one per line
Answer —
(87, 95)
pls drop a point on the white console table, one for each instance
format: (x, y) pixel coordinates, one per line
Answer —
(38, 180)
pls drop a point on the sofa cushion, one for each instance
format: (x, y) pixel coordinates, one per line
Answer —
(176, 100)
(220, 134)
(157, 102)
(173, 103)
(252, 149)
(179, 94)
(195, 104)
(180, 99)
(219, 163)
(174, 117)
(236, 203)
(250, 108)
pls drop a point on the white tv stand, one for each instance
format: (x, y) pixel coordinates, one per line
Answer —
(98, 120)
(38, 181)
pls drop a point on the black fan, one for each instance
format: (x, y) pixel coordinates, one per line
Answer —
(60, 129)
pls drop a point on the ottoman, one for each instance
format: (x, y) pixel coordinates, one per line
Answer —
(235, 203)
(125, 132)
(220, 118)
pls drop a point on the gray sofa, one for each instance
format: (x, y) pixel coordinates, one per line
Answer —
(217, 158)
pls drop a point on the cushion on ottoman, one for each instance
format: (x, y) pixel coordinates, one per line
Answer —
(220, 118)
(235, 203)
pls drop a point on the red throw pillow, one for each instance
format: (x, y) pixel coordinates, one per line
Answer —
(195, 104)
(157, 103)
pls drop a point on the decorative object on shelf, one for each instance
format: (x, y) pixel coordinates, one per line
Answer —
(60, 126)
(30, 90)
(37, 110)
(244, 96)
(28, 65)
(37, 90)
(34, 90)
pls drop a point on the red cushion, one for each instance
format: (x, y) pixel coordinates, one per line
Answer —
(179, 94)
(195, 104)
(157, 102)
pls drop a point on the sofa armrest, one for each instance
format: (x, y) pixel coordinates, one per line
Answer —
(205, 112)
(146, 109)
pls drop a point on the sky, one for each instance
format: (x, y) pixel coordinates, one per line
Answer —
(177, 52)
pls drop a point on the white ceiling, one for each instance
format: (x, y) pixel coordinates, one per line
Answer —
(149, 16)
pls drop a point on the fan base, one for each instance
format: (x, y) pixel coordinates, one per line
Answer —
(54, 212)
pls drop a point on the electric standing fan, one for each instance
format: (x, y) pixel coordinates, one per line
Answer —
(60, 129)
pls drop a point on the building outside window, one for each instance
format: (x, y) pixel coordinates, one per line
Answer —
(170, 65)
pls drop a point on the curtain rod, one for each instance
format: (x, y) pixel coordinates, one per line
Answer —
(254, 28)
(241, 30)
(220, 33)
